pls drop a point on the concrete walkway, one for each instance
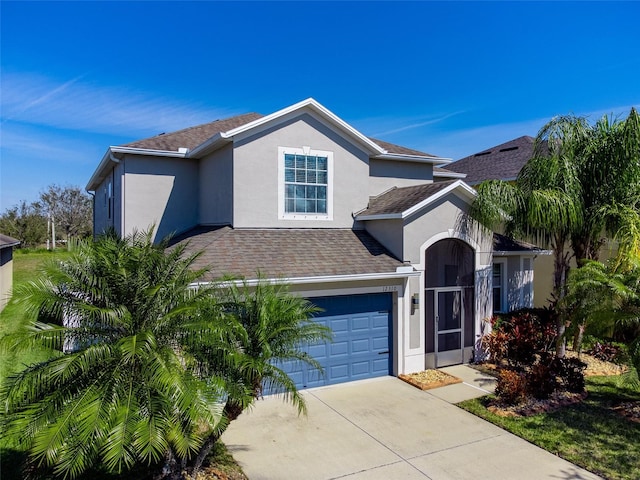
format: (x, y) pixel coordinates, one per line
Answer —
(387, 429)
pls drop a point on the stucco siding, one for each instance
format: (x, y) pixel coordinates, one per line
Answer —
(389, 233)
(161, 192)
(256, 170)
(100, 208)
(385, 174)
(216, 187)
(108, 206)
(442, 219)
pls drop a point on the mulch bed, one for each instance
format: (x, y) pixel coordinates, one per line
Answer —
(533, 406)
(428, 379)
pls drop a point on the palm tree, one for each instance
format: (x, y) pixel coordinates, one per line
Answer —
(582, 183)
(606, 298)
(276, 325)
(122, 385)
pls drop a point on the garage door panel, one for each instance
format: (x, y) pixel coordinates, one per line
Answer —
(360, 324)
(380, 344)
(381, 320)
(339, 348)
(360, 346)
(339, 325)
(318, 351)
(381, 365)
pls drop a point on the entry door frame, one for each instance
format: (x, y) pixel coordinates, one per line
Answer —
(448, 357)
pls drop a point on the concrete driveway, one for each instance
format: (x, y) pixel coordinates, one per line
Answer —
(385, 429)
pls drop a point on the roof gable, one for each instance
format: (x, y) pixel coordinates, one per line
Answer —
(402, 202)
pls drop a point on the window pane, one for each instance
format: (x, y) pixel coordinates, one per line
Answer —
(311, 206)
(289, 160)
(300, 176)
(289, 175)
(321, 177)
(311, 163)
(497, 300)
(311, 192)
(289, 205)
(311, 176)
(290, 191)
(322, 206)
(300, 161)
(300, 191)
(321, 193)
(300, 204)
(322, 163)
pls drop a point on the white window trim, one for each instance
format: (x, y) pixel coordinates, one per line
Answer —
(305, 150)
(503, 287)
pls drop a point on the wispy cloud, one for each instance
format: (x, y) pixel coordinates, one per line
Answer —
(416, 124)
(80, 104)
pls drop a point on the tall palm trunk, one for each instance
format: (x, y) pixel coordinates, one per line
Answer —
(560, 272)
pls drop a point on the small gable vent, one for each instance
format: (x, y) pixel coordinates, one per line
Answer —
(508, 149)
(482, 154)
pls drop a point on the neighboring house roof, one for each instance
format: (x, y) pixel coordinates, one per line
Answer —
(6, 241)
(287, 253)
(502, 162)
(402, 202)
(503, 245)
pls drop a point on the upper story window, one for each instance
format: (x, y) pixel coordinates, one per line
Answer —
(305, 184)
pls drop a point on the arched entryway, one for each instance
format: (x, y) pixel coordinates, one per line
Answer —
(449, 306)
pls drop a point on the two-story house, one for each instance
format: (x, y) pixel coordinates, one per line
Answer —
(356, 224)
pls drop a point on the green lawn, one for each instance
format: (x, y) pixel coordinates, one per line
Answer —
(25, 266)
(588, 434)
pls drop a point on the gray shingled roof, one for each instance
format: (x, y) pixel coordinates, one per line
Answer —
(193, 136)
(502, 162)
(502, 243)
(288, 253)
(398, 200)
(6, 241)
(398, 149)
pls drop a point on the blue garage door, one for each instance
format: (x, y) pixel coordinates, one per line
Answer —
(361, 346)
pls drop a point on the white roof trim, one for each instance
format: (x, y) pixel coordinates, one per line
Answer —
(521, 253)
(310, 103)
(96, 178)
(466, 189)
(320, 279)
(449, 174)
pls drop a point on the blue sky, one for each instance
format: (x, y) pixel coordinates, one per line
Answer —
(448, 78)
